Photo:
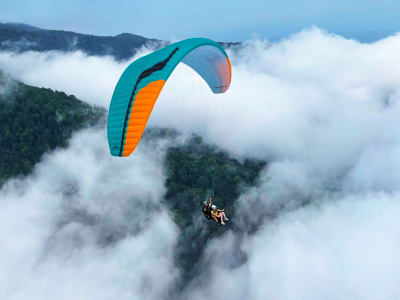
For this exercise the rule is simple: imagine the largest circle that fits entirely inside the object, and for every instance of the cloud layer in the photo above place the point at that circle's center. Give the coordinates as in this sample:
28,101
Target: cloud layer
86,225
322,223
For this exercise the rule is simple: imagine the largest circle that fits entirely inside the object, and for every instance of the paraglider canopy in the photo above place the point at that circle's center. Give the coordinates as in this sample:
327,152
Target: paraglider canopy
140,84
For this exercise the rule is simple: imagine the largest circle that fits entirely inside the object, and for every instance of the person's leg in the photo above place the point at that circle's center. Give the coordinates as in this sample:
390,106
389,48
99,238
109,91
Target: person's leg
224,216
221,218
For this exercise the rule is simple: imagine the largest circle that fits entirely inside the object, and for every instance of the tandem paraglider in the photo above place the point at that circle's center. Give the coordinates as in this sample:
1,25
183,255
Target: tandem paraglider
211,212
140,84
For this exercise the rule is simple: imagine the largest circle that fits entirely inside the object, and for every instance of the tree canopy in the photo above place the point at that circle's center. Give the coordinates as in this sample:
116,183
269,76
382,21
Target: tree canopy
35,120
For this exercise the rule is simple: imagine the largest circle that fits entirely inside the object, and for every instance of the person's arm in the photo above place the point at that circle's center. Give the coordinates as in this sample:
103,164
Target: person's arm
221,210
210,200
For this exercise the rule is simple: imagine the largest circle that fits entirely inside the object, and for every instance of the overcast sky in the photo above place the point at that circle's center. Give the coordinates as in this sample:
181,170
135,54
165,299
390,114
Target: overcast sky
225,20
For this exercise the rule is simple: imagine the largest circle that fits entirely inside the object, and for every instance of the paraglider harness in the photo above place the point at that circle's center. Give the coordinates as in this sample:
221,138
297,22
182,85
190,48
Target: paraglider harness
206,210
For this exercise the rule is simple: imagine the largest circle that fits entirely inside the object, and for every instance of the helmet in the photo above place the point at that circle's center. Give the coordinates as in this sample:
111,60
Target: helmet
205,203
213,207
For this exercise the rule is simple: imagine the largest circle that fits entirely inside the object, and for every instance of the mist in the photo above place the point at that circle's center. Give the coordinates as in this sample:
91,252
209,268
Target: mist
86,225
322,222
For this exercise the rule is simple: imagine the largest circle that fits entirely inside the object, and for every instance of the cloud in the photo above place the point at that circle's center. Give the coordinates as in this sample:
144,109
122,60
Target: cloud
341,249
19,45
86,225
321,223
90,78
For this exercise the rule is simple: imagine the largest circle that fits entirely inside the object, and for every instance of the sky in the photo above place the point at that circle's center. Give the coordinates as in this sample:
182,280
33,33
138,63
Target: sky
321,109
225,20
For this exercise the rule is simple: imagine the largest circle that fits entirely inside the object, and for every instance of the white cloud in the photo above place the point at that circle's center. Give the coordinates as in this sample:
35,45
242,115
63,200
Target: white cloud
90,78
344,249
87,225
339,250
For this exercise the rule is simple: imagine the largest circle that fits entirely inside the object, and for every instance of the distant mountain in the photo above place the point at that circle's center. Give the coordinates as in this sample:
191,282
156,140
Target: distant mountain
19,26
18,37
22,37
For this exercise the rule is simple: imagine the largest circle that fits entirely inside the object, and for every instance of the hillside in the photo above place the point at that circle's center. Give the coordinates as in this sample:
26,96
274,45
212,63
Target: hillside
35,120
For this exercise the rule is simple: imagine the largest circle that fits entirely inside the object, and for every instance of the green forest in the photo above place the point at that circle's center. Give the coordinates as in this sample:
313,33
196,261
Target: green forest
36,120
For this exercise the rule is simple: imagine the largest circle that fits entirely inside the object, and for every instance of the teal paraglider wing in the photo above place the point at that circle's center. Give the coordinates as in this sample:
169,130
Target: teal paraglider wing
142,81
